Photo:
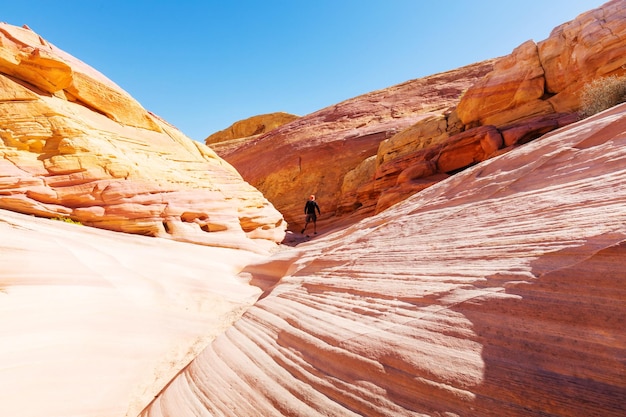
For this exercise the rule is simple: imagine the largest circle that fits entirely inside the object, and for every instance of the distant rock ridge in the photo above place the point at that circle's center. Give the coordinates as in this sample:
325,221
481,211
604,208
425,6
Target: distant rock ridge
246,129
368,153
73,144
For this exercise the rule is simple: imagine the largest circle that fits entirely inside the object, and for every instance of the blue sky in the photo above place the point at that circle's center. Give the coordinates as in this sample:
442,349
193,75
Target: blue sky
203,65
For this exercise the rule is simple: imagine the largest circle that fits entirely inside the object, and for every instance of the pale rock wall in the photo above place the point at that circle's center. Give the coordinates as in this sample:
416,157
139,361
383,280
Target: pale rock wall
95,323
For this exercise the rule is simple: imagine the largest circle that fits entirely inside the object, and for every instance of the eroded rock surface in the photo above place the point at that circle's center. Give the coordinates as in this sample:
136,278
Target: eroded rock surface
498,292
371,152
73,144
313,154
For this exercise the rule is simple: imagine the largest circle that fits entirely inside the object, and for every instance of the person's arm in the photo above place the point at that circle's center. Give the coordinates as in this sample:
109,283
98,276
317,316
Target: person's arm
318,208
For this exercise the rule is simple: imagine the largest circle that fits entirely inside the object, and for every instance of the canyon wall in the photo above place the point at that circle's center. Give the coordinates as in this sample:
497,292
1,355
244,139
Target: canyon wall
499,291
368,153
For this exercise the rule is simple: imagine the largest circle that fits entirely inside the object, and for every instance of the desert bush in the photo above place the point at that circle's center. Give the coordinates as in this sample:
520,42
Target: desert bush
601,94
67,220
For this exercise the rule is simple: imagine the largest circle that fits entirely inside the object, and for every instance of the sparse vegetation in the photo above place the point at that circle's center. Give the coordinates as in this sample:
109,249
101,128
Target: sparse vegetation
67,220
601,94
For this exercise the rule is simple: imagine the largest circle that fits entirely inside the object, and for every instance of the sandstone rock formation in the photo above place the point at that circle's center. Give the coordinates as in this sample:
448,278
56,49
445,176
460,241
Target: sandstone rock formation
547,77
497,292
95,323
368,153
234,135
73,144
313,154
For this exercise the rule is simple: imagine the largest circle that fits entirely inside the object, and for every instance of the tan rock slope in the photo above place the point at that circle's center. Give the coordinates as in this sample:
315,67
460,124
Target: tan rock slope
498,292
368,153
73,144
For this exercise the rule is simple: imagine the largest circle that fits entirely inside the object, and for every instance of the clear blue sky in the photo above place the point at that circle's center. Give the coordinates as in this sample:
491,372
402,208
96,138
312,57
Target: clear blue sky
203,65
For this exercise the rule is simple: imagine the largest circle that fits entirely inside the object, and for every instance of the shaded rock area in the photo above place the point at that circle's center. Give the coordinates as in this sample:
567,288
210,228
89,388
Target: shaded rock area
75,145
401,140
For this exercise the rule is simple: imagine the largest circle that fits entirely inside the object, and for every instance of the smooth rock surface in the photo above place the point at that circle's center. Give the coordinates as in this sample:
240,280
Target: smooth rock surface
95,323
498,292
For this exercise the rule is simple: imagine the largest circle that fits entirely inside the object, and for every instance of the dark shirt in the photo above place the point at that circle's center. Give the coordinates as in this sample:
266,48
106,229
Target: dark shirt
310,207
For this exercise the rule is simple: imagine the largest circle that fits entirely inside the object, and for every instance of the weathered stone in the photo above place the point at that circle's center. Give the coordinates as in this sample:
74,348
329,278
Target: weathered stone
250,127
533,128
591,46
455,301
117,167
511,91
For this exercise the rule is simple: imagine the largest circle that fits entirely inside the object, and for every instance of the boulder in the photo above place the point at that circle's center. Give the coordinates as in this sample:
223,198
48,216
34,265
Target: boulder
512,91
591,46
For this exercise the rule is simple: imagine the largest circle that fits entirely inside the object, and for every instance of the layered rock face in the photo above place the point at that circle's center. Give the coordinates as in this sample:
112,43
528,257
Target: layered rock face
313,154
73,144
482,111
497,292
243,130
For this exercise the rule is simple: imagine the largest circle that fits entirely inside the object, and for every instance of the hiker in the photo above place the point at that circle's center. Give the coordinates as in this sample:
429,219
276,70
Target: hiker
309,210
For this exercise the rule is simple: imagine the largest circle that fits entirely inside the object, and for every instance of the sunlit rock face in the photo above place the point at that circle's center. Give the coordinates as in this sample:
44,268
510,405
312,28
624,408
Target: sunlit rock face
314,153
366,154
95,323
548,77
73,144
497,292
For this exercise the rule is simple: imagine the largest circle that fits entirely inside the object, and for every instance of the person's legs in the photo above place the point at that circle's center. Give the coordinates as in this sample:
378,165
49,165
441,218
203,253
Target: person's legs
306,223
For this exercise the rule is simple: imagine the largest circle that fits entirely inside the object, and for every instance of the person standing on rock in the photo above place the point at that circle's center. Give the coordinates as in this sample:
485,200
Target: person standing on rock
309,211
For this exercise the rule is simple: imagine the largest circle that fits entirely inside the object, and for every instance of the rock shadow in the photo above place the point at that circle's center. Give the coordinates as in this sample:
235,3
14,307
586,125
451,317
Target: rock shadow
556,345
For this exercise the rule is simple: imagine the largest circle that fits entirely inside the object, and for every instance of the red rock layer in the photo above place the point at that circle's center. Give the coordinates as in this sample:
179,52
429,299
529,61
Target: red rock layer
498,292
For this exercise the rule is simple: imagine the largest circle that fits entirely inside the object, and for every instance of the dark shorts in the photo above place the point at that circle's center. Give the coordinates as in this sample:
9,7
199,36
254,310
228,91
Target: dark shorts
311,218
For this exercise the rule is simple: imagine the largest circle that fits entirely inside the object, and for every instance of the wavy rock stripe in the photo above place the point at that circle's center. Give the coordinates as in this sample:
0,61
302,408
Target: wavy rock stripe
498,292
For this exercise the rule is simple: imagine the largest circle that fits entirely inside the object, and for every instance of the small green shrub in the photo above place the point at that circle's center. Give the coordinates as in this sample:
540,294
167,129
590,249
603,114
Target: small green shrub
601,94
